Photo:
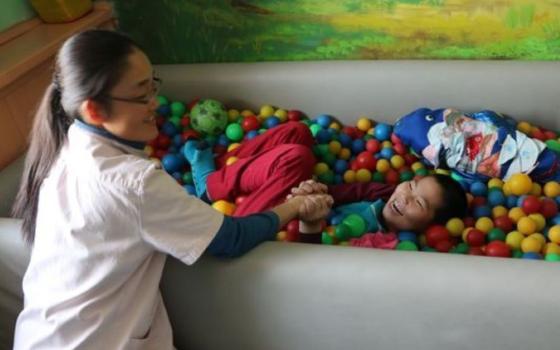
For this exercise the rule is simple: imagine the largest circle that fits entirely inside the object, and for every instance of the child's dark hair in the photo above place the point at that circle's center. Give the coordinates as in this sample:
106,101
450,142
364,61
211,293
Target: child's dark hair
454,199
88,66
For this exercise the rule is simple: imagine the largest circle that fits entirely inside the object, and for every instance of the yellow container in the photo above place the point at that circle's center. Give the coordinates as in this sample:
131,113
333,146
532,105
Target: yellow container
60,11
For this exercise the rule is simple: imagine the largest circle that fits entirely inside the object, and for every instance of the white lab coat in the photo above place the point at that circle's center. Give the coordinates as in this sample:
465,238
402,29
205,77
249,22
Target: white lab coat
107,217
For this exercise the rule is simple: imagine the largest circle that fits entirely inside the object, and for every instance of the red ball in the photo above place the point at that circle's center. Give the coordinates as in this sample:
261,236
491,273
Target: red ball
354,165
531,204
239,200
444,246
159,153
400,149
498,249
189,134
358,134
159,121
373,146
504,223
549,135
395,139
392,177
250,123
478,201
476,251
294,115
410,158
435,234
350,131
293,227
163,141
549,208
469,221
185,121
220,150
537,133
366,160
475,238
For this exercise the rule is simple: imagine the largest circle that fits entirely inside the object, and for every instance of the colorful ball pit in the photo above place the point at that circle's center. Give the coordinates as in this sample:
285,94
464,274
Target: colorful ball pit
516,218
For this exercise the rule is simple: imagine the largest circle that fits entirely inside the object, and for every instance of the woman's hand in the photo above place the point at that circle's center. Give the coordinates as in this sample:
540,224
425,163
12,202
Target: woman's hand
315,207
308,187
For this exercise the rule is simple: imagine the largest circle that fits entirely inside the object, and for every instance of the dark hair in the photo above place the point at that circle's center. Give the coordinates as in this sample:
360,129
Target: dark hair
87,66
454,199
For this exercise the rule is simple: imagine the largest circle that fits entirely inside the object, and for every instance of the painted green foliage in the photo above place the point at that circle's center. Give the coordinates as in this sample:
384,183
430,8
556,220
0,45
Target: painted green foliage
181,31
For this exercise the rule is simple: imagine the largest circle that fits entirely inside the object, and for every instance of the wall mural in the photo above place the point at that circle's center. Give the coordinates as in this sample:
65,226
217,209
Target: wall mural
181,31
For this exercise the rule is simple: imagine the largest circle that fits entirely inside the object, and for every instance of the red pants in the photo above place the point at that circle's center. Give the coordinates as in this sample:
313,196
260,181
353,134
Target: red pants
269,165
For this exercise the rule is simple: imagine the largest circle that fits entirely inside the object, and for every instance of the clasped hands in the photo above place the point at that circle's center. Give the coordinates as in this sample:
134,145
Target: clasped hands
315,204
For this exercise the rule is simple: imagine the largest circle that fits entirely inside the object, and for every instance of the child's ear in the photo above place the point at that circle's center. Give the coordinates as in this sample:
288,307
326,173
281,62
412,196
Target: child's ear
93,112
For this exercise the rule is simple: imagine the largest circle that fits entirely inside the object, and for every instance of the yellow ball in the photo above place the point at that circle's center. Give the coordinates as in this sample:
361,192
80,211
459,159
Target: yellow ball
281,114
442,171
281,236
149,150
224,207
383,165
417,166
484,224
495,182
520,184
455,226
552,189
499,210
349,176
531,245
465,233
247,113
514,239
539,220
397,161
554,234
386,144
363,175
335,126
233,146
524,127
540,237
515,214
370,131
536,190
335,147
231,160
266,111
320,168
364,124
526,226
345,154
507,189
233,115
551,248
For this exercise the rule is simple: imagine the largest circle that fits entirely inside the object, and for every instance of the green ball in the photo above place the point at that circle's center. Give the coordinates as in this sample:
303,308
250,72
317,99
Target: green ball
422,172
553,145
342,232
356,224
327,177
406,176
517,254
461,248
407,245
162,100
552,257
496,234
176,120
378,177
209,117
177,109
327,239
188,178
315,128
234,132
329,158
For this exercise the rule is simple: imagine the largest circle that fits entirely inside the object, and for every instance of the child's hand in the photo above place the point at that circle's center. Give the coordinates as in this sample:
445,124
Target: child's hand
315,207
308,187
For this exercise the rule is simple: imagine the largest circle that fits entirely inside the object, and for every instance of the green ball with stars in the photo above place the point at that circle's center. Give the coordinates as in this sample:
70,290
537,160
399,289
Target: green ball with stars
209,117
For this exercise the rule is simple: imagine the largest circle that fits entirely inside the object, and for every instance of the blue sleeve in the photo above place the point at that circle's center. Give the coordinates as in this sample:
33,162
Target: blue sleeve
238,235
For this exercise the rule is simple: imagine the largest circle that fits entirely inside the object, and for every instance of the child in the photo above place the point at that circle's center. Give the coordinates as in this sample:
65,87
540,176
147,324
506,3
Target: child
102,217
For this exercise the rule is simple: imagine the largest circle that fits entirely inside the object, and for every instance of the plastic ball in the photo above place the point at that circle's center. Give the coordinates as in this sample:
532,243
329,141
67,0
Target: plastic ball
407,246
349,176
397,161
536,190
481,211
498,249
504,223
552,189
382,131
294,115
266,111
524,127
345,154
496,197
373,146
549,208
498,211
340,166
335,147
271,122
484,224
224,207
366,160
315,128
511,201
435,234
231,160
496,234
554,234
234,132
383,165
495,183
358,146
515,214
209,117
281,114
386,153
356,224
531,204
520,184
364,124
539,220
455,226
320,168
475,238
531,245
540,237
323,136
343,232
250,123
526,225
407,236
514,239
552,257
479,189
363,175
324,120
531,256
172,162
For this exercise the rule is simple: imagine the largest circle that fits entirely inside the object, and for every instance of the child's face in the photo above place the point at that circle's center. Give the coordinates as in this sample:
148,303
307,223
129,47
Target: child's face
413,204
134,121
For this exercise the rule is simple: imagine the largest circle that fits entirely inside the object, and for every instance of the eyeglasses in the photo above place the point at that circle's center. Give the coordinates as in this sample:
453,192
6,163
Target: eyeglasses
156,86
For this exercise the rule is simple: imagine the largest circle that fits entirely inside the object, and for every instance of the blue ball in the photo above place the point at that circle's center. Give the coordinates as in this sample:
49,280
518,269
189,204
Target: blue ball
358,145
172,162
520,200
496,197
178,176
345,140
482,210
555,220
223,140
340,166
557,199
251,134
190,189
408,236
178,141
324,120
164,110
511,201
271,122
531,256
387,153
173,149
338,179
323,136
169,129
337,219
383,131
479,189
